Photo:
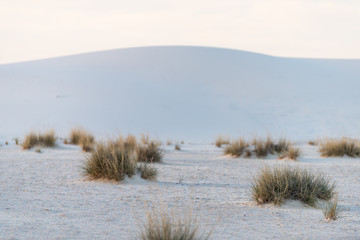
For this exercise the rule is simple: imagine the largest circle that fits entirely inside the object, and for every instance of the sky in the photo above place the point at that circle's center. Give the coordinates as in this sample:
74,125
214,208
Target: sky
39,29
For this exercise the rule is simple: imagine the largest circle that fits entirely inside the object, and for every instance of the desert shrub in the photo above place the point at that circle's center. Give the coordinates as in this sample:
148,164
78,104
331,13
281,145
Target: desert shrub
79,136
312,143
339,148
236,148
147,172
47,139
177,147
6,143
16,141
162,225
149,153
291,153
222,140
332,210
110,160
293,183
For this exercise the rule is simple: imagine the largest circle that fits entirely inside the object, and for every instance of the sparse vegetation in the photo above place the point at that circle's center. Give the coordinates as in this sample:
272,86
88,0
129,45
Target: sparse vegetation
79,136
177,147
340,148
6,143
47,139
16,141
182,142
110,160
38,150
168,143
312,143
149,153
284,182
162,225
332,210
221,140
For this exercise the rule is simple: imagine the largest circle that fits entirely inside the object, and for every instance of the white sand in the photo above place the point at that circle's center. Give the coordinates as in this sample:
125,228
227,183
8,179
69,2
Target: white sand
45,196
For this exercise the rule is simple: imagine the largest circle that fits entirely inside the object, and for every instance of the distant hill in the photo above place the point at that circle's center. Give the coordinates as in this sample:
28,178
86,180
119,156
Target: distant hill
182,93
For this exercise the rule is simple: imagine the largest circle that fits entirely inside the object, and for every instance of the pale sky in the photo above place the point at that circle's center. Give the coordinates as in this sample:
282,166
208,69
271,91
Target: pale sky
35,29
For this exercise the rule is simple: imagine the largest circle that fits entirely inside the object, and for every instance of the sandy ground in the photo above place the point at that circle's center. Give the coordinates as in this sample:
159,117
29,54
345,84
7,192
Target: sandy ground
44,196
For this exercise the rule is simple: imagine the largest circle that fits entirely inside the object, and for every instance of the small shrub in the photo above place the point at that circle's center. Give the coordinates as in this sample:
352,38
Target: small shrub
66,141
285,182
149,153
312,143
162,225
291,153
221,140
16,141
168,143
236,148
177,147
147,172
339,148
332,210
80,137
47,139
110,160
38,150
6,143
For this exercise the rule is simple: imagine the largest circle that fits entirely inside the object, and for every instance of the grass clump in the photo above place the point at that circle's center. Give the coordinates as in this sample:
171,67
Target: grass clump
110,160
47,139
340,148
236,148
162,225
80,137
312,143
269,146
221,140
291,153
290,183
149,153
147,172
177,147
332,210
259,147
